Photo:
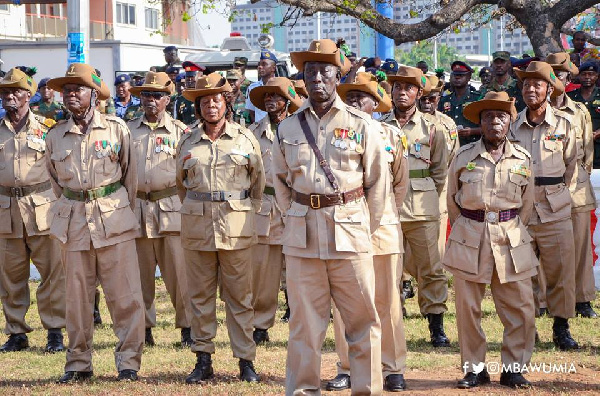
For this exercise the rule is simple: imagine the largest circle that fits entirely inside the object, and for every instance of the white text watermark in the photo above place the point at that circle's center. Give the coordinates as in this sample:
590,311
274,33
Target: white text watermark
539,367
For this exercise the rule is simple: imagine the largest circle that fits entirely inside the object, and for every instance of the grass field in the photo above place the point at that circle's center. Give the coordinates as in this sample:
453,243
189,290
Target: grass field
165,366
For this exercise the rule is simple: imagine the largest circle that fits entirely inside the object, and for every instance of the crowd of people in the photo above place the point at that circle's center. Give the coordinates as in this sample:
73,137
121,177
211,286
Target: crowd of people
335,186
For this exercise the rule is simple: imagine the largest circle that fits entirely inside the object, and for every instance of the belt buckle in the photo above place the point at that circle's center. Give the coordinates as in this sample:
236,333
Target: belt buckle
315,198
215,196
492,217
17,191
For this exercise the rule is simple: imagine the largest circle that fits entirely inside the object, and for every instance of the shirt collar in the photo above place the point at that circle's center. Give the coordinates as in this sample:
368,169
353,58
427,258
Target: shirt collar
549,118
98,121
338,104
509,151
230,131
164,122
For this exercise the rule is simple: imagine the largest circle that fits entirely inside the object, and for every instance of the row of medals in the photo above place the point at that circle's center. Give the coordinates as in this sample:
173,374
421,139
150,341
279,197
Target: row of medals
340,136
38,136
105,148
165,144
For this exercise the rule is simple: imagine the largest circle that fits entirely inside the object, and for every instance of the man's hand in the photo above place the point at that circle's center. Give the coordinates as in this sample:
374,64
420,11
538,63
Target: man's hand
597,134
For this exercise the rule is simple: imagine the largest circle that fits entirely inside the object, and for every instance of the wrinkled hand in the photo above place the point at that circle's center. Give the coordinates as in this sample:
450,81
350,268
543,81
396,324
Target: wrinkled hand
596,134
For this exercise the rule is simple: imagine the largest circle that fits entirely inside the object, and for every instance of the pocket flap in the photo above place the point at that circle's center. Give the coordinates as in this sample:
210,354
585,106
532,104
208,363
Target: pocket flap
62,209
465,236
389,219
348,214
170,204
189,163
243,205
297,210
43,198
470,177
294,142
519,180
60,155
4,202
40,147
108,204
192,207
422,184
238,159
518,236
551,145
265,207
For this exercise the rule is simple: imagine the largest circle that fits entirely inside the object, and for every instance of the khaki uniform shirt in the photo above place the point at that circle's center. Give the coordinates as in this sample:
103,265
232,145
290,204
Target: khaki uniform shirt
335,232
231,163
387,238
79,162
22,163
155,153
582,192
427,149
553,150
269,224
477,182
448,127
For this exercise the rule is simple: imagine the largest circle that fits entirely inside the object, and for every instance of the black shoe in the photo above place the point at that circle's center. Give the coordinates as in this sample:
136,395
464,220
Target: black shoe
404,314
97,317
55,341
286,316
340,382
15,343
260,336
472,380
537,337
514,380
561,336
74,376
203,369
543,312
436,330
247,372
407,289
585,310
149,338
186,337
127,375
394,383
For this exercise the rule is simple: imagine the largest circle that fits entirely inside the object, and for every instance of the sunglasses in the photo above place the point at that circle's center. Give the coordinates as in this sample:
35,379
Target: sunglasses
152,94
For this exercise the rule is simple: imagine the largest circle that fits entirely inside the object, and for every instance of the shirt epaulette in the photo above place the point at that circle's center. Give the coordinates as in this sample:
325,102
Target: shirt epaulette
521,149
184,137
179,124
466,147
249,135
359,113
114,118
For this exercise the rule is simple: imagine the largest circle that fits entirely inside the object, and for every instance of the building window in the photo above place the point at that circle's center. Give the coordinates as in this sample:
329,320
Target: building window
126,13
152,18
4,7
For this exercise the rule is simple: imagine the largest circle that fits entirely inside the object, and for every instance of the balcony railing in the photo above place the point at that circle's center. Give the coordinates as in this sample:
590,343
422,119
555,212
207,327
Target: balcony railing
47,26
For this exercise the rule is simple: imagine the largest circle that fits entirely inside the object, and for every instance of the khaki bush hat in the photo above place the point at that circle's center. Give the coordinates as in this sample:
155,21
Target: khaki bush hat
233,74
16,78
300,87
562,61
411,75
543,71
321,51
279,85
154,82
366,82
207,85
434,83
81,74
491,101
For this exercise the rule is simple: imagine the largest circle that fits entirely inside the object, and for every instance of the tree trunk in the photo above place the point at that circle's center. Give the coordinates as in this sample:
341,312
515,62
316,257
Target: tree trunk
543,33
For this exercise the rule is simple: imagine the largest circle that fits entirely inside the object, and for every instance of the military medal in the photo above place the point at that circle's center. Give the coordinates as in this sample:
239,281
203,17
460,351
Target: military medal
343,145
337,143
352,145
359,149
351,133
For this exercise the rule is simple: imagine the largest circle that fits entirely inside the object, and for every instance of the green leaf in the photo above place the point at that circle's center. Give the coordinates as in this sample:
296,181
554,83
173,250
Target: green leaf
185,17
413,13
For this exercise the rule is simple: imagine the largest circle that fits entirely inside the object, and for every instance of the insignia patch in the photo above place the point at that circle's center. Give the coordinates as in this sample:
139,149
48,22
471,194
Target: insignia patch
380,91
96,80
423,81
453,134
520,170
470,166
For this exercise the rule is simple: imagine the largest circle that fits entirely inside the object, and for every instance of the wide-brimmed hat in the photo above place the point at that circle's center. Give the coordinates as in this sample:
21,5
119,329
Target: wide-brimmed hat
366,82
411,75
155,82
543,71
321,51
81,74
16,78
562,61
434,84
279,85
207,85
300,87
491,101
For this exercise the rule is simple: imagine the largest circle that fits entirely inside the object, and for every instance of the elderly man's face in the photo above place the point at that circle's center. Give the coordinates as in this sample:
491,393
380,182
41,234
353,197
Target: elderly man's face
494,125
361,101
321,79
274,103
535,92
154,103
77,98
213,107
14,99
405,95
429,103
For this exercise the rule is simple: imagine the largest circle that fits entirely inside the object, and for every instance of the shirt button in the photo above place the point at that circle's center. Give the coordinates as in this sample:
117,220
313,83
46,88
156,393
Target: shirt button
533,141
148,157
318,180
494,192
147,181
90,221
85,181
322,128
534,161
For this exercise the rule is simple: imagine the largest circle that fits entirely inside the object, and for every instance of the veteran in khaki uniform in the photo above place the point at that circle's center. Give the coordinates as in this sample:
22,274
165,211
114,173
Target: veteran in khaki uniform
25,199
155,136
367,95
278,98
490,200
94,171
582,193
547,134
330,205
220,180
420,212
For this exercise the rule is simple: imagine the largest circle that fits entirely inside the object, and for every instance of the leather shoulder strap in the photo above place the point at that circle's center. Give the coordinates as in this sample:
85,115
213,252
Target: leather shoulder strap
322,161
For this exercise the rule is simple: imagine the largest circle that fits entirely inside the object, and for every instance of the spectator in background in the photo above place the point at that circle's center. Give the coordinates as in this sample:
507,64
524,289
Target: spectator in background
173,72
240,63
47,106
267,69
423,66
127,107
485,75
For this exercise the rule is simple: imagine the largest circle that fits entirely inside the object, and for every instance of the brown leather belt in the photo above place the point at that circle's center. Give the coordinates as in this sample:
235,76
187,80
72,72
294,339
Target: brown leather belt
318,201
25,190
490,216
156,195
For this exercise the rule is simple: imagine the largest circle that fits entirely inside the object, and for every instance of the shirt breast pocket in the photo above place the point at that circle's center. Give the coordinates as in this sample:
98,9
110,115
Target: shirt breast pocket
552,153
297,153
35,152
515,187
63,164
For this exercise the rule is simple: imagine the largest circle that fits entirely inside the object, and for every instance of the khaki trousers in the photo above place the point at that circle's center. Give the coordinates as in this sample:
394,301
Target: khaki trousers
266,276
233,269
514,305
424,264
116,267
553,243
312,283
539,289
387,303
15,256
585,289
283,274
167,253
443,232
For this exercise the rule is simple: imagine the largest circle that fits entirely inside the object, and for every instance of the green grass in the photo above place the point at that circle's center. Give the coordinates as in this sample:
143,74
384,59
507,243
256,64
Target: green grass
165,366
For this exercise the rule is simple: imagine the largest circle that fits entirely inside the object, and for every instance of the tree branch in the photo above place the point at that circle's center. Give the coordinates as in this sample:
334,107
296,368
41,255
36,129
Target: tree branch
566,9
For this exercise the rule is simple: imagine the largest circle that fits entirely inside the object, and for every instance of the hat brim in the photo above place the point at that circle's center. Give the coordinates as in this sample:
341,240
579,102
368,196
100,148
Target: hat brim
192,94
57,84
384,103
300,58
136,91
558,86
17,84
407,79
257,97
473,110
560,67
